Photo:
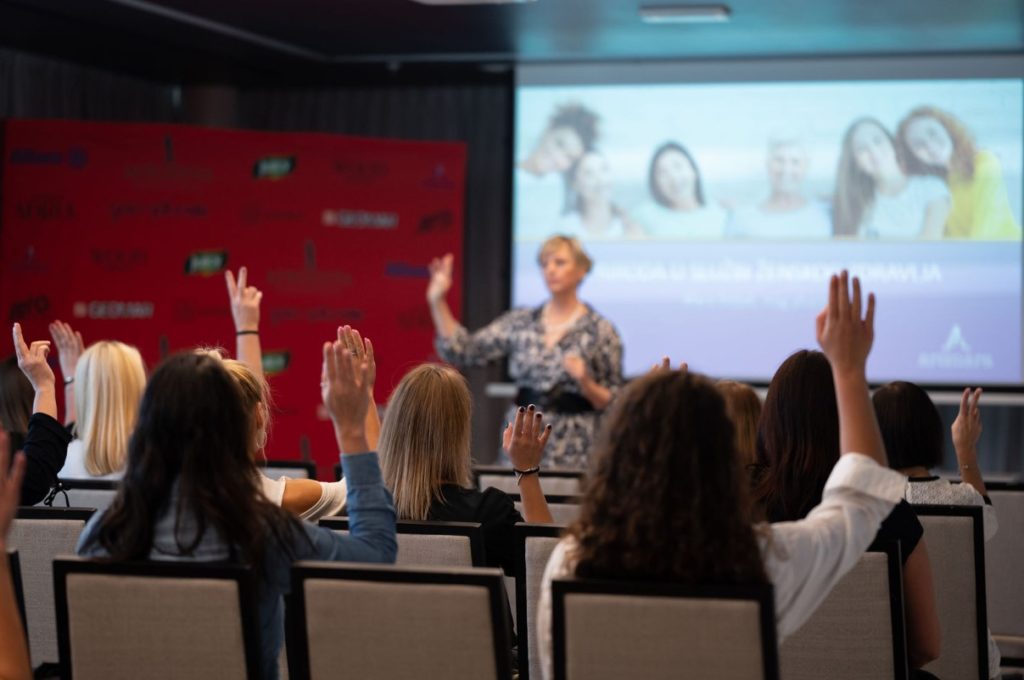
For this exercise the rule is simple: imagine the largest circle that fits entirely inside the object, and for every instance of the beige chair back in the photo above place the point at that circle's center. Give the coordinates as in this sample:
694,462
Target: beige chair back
396,623
431,544
955,540
616,629
156,620
564,509
552,482
1004,555
857,633
535,543
89,493
39,535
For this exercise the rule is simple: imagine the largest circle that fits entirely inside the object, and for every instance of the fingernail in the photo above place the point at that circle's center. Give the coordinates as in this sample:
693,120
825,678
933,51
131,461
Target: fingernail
532,407
548,427
522,410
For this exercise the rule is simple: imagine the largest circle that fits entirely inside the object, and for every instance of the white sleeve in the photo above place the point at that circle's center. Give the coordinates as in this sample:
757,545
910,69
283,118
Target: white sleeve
332,499
805,559
558,567
273,489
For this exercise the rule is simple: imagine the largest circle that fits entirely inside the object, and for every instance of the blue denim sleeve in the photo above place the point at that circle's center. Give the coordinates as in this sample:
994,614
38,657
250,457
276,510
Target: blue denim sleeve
371,513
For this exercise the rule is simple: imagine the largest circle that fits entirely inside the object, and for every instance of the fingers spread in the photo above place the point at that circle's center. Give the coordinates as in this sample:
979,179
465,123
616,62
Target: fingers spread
243,278
856,298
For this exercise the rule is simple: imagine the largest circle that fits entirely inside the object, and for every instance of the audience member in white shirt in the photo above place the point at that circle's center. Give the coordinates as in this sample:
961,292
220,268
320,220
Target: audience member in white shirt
653,477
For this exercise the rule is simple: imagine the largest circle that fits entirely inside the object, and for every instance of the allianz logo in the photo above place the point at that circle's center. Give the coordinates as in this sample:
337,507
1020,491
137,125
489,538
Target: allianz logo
956,353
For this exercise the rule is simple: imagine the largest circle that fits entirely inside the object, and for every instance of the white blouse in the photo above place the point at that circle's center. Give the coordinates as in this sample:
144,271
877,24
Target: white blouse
803,559
332,497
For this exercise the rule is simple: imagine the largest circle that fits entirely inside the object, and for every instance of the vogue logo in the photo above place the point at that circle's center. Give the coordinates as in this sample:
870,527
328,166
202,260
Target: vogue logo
206,262
45,209
75,157
359,219
273,167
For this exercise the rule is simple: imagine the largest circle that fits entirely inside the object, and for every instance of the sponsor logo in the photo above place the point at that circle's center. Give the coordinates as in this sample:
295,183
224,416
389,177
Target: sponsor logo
404,270
276,361
168,173
164,209
359,219
45,208
75,157
29,263
956,353
113,309
442,220
439,179
255,214
206,262
361,171
116,260
273,167
29,307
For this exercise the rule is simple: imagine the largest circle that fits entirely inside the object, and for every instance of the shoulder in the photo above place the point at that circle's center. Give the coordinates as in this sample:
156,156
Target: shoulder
602,325
561,563
520,316
903,524
494,505
986,165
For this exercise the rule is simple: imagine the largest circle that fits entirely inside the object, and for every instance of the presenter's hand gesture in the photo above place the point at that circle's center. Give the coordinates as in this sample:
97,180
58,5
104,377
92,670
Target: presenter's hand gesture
245,301
69,347
967,427
32,360
440,278
345,395
525,438
575,366
845,331
362,349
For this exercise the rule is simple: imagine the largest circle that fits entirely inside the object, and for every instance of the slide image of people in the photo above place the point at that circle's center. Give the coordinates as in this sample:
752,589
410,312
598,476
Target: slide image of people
589,211
678,207
788,212
875,198
935,143
571,132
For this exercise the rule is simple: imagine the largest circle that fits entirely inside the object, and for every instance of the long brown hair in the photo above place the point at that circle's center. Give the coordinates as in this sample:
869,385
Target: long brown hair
743,407
16,396
855,189
666,498
961,165
424,439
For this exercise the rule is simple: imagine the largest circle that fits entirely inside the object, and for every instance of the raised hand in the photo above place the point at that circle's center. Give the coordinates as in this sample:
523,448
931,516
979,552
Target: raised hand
32,360
343,388
575,366
245,301
843,334
440,278
525,438
967,427
69,347
362,350
666,365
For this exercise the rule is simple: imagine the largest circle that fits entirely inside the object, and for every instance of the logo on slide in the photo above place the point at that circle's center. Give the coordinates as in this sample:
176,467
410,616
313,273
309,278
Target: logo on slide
273,167
956,354
206,262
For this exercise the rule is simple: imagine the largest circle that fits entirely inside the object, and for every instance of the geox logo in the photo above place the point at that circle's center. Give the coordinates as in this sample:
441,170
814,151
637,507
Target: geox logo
276,361
273,167
206,262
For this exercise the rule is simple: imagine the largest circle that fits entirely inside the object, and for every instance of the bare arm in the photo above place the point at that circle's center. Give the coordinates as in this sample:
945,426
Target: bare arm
924,635
14,663
69,349
440,283
966,433
245,310
935,214
524,442
300,495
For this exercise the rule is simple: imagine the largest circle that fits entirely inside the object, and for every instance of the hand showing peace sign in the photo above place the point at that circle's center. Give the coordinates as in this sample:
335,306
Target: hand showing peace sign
245,301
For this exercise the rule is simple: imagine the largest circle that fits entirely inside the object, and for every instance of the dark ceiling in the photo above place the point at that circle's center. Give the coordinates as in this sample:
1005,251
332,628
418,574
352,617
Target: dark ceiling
296,39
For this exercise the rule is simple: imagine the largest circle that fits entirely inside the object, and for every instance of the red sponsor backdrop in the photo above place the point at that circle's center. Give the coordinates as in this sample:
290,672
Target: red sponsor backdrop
124,230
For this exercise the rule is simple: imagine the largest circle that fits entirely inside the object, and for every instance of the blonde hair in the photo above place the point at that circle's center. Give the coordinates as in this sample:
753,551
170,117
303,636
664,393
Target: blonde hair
743,407
424,439
583,260
109,382
255,393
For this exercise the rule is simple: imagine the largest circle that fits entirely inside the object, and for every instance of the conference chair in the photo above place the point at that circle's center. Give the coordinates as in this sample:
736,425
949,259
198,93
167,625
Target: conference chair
858,631
156,620
534,545
293,469
564,509
337,472
555,482
956,549
604,630
396,623
1004,557
431,544
39,535
88,493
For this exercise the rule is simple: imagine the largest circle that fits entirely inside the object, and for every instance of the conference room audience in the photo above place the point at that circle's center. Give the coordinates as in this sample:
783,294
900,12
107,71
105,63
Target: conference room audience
798,446
46,440
913,433
667,498
743,407
109,379
190,490
308,498
14,660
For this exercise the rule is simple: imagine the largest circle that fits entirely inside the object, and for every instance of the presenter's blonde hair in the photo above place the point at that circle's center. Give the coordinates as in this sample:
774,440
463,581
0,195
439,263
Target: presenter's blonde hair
109,382
424,439
555,242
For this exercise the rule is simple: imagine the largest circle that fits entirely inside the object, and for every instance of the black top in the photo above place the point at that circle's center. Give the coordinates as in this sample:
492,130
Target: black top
902,525
493,509
46,447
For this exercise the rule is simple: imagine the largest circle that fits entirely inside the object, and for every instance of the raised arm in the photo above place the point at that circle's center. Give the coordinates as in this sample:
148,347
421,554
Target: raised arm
69,348
524,441
440,283
966,433
245,310
14,663
362,350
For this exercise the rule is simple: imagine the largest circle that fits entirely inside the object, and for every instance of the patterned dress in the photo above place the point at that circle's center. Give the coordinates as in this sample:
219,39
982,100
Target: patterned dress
519,335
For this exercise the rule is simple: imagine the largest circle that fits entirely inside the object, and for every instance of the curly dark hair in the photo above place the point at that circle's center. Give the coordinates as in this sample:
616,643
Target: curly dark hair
666,499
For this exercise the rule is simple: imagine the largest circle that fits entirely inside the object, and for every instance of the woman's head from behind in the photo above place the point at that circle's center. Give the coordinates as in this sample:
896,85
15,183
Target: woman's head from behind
868,155
743,407
424,439
797,437
911,426
109,382
674,179
16,395
665,497
255,395
934,142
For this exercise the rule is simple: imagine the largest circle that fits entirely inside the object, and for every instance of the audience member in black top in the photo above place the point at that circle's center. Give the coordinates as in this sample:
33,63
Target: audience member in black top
46,441
797,449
